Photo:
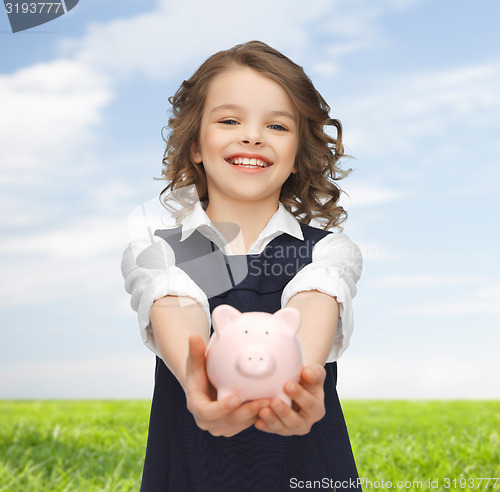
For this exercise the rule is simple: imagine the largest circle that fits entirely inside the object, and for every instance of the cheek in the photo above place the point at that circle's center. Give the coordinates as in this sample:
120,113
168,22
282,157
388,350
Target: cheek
293,159
291,150
213,142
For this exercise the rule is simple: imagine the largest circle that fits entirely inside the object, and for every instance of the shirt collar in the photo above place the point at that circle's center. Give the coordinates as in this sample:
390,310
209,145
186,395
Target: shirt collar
197,218
282,221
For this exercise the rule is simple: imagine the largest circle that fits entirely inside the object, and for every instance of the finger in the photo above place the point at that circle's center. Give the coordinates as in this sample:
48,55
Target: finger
279,418
269,422
220,422
312,377
199,392
196,354
227,428
252,408
233,410
311,405
249,410
232,431
195,363
290,418
247,414
212,411
243,417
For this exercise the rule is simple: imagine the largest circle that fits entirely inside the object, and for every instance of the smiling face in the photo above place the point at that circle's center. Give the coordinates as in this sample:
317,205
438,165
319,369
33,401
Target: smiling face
248,137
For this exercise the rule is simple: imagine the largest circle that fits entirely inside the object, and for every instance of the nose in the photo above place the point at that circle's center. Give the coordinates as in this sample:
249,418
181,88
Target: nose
253,141
251,136
255,361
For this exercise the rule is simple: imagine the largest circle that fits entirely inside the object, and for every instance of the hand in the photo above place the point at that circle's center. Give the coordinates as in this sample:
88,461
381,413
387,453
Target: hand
226,417
308,405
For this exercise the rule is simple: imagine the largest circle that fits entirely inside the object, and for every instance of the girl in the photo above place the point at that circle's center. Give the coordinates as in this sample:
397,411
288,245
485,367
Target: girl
247,132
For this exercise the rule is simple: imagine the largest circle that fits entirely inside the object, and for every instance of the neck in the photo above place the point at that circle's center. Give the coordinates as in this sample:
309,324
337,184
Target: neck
250,217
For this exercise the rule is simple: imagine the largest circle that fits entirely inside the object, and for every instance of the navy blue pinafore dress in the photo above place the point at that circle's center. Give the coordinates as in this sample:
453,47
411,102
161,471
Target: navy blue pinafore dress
180,457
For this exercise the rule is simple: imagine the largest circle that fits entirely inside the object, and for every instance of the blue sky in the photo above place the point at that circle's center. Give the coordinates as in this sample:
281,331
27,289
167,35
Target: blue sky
415,84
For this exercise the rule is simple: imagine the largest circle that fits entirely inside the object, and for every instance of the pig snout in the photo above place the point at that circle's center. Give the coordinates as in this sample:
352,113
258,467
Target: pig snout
255,361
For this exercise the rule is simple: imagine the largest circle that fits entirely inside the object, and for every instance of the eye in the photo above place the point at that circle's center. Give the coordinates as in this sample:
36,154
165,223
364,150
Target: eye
276,126
228,122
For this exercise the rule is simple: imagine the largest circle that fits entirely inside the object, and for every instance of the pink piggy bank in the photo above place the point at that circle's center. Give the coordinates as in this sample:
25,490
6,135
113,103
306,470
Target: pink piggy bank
253,355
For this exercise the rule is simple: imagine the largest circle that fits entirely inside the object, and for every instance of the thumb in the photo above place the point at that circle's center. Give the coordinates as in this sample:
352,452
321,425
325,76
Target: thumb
196,355
196,347
313,374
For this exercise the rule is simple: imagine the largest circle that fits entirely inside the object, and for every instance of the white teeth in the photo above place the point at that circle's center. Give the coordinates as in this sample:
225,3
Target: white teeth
246,162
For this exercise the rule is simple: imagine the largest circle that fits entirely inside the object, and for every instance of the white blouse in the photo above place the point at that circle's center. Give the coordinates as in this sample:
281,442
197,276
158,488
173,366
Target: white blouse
148,267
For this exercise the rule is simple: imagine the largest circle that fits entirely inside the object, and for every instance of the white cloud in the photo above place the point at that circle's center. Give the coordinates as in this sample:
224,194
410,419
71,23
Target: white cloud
85,238
161,43
112,196
358,24
18,213
48,113
65,262
422,280
467,306
36,280
445,376
437,376
474,300
326,69
442,103
362,194
490,292
376,252
114,376
158,44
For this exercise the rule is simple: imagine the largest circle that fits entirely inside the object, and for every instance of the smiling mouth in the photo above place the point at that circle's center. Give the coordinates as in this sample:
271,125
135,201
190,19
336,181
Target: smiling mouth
248,163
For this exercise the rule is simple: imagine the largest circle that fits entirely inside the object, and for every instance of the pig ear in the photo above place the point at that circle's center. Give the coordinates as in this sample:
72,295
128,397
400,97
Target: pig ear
290,318
222,316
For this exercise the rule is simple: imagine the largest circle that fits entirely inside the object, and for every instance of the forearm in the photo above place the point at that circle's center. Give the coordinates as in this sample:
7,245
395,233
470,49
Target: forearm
174,319
319,314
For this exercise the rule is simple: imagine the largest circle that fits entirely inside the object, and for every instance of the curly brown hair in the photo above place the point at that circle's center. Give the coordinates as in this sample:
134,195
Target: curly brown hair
311,192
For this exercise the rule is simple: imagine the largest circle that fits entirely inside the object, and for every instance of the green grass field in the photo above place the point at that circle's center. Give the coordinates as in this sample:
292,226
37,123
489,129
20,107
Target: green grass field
99,445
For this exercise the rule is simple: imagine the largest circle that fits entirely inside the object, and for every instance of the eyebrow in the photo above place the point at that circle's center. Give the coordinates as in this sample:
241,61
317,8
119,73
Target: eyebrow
239,108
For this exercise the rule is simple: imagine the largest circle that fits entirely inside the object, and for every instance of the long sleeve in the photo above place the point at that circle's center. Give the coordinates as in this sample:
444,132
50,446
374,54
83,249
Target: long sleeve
335,269
150,273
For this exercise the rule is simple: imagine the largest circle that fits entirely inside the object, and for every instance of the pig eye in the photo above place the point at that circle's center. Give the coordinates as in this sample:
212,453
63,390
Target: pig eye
246,331
267,333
